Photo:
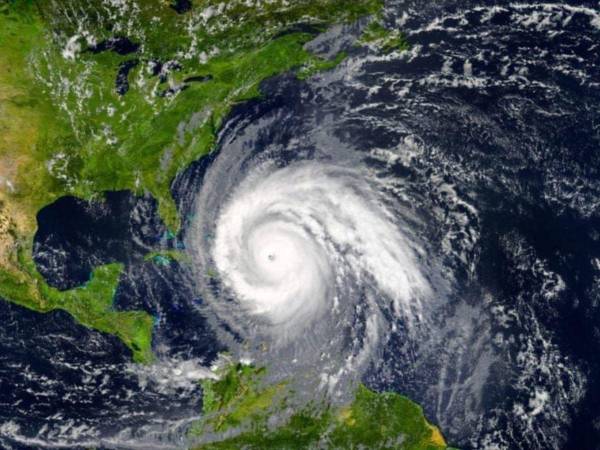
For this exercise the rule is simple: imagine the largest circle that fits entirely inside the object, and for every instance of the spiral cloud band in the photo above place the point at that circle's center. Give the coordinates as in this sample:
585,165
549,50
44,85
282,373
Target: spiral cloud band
289,241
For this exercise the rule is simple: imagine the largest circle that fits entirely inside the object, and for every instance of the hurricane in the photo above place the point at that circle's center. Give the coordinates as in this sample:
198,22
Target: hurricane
302,251
421,218
290,241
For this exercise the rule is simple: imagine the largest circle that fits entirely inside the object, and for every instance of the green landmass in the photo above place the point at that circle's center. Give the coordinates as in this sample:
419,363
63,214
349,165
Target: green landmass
236,397
384,38
166,257
67,129
91,305
239,407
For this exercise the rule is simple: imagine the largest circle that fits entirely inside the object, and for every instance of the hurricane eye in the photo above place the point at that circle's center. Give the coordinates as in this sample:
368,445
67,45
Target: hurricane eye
286,247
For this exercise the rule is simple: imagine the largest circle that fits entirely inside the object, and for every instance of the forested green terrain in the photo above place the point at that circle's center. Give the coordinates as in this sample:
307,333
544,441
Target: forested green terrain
102,95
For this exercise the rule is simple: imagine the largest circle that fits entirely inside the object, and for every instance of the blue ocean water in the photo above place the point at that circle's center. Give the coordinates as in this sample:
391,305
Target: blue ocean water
489,127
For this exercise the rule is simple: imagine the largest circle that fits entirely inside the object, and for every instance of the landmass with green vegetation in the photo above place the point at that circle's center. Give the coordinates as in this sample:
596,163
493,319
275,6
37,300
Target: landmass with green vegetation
166,257
98,95
91,305
384,38
241,411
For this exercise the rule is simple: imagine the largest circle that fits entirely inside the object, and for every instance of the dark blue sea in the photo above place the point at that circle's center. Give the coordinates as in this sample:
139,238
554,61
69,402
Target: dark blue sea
490,127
